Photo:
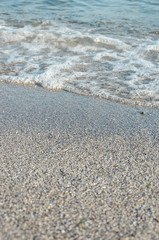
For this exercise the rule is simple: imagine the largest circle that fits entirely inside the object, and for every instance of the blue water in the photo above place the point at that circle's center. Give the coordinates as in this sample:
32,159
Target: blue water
101,48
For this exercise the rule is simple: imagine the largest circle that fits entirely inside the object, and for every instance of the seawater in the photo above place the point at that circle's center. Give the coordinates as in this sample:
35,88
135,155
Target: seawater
103,48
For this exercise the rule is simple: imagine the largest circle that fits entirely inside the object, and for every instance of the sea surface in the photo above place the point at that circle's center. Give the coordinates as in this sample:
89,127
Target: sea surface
104,48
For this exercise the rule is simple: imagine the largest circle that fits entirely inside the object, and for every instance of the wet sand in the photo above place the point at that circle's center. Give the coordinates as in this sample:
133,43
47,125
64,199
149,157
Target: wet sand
76,167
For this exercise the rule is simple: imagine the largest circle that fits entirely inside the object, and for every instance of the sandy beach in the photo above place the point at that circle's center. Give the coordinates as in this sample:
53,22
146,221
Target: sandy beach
76,167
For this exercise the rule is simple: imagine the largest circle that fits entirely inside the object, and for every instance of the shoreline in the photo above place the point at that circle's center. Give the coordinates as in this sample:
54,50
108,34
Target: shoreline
129,102
77,167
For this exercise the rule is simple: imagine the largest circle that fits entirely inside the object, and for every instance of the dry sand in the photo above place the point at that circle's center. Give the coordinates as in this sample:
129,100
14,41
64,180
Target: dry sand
75,167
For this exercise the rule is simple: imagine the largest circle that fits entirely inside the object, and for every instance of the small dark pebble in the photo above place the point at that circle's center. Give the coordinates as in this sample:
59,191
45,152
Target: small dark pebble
62,173
143,113
156,220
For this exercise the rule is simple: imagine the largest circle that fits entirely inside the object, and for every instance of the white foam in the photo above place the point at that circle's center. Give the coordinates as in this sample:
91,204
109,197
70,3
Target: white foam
111,42
57,57
154,47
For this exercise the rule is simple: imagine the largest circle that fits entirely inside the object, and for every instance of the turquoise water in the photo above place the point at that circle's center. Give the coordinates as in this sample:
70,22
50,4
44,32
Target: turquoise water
106,49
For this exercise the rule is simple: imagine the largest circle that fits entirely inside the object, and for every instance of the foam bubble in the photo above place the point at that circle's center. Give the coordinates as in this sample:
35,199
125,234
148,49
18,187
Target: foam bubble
154,47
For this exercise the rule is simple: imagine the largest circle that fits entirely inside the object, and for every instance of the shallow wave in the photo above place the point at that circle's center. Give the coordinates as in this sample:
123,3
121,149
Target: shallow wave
81,61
